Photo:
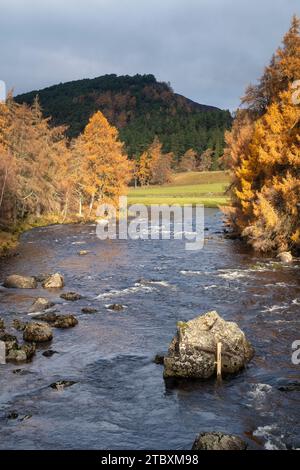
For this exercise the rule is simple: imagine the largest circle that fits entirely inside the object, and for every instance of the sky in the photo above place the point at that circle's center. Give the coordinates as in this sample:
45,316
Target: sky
209,50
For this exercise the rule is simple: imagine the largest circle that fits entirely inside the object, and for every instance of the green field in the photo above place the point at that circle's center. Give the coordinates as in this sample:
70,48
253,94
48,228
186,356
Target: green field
206,188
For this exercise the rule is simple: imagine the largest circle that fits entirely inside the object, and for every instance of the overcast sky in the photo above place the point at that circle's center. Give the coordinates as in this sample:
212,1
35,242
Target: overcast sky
208,49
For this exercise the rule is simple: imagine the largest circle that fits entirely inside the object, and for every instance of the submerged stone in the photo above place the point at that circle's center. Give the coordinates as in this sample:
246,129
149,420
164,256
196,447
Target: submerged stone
49,353
61,384
72,296
115,307
40,304
158,359
89,310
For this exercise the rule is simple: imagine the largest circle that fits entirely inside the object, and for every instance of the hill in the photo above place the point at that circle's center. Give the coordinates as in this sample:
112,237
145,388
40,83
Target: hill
141,107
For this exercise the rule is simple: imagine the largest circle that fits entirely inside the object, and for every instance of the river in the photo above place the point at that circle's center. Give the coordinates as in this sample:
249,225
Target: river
120,399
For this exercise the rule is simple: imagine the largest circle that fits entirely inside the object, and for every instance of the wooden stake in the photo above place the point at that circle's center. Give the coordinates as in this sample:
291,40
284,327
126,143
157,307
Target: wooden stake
219,361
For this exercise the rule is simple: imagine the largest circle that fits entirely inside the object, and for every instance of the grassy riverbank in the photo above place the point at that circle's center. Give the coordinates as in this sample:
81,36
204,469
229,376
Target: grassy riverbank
206,188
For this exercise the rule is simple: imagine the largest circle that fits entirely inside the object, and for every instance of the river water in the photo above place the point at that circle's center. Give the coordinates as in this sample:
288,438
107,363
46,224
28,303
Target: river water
120,399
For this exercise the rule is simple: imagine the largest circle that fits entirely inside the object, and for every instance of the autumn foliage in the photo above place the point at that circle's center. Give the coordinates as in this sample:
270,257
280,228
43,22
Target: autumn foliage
263,152
42,173
154,166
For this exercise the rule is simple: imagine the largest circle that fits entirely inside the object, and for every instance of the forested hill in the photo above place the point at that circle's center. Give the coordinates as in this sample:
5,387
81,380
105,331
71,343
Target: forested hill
141,107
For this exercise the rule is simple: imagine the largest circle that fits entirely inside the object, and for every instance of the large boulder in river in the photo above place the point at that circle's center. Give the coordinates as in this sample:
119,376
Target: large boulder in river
20,282
218,441
55,281
192,352
37,332
40,304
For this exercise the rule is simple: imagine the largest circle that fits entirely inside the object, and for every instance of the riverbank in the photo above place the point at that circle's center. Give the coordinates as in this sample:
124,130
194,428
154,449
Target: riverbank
207,188
9,238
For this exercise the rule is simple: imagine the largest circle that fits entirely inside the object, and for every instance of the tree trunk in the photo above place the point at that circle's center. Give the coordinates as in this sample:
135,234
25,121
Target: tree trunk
65,211
3,187
91,204
80,207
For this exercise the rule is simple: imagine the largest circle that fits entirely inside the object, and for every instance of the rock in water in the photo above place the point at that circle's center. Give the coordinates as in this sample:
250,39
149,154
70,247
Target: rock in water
158,359
12,415
49,353
59,321
61,384
115,307
83,252
10,341
14,352
2,325
20,282
218,441
40,304
55,281
290,387
19,325
38,332
65,321
72,296
22,354
48,317
89,310
42,277
192,352
285,257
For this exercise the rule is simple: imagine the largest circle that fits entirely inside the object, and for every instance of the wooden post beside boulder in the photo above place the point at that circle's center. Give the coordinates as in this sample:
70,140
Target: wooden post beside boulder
192,352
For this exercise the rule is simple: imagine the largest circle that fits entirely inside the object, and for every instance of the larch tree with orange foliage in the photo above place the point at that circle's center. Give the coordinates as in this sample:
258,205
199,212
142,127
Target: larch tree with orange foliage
155,167
263,152
105,169
188,161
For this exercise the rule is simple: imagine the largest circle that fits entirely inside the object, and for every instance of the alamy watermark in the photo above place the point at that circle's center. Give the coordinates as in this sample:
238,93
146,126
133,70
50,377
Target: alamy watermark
296,352
154,222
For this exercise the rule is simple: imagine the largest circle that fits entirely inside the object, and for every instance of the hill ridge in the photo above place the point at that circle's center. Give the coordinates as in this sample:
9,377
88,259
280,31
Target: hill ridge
140,106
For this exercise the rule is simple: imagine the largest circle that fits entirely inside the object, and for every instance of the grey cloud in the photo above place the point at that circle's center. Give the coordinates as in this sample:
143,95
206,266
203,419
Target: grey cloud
208,49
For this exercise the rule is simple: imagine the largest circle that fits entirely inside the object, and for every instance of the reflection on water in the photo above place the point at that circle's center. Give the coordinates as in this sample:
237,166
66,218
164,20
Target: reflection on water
120,400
